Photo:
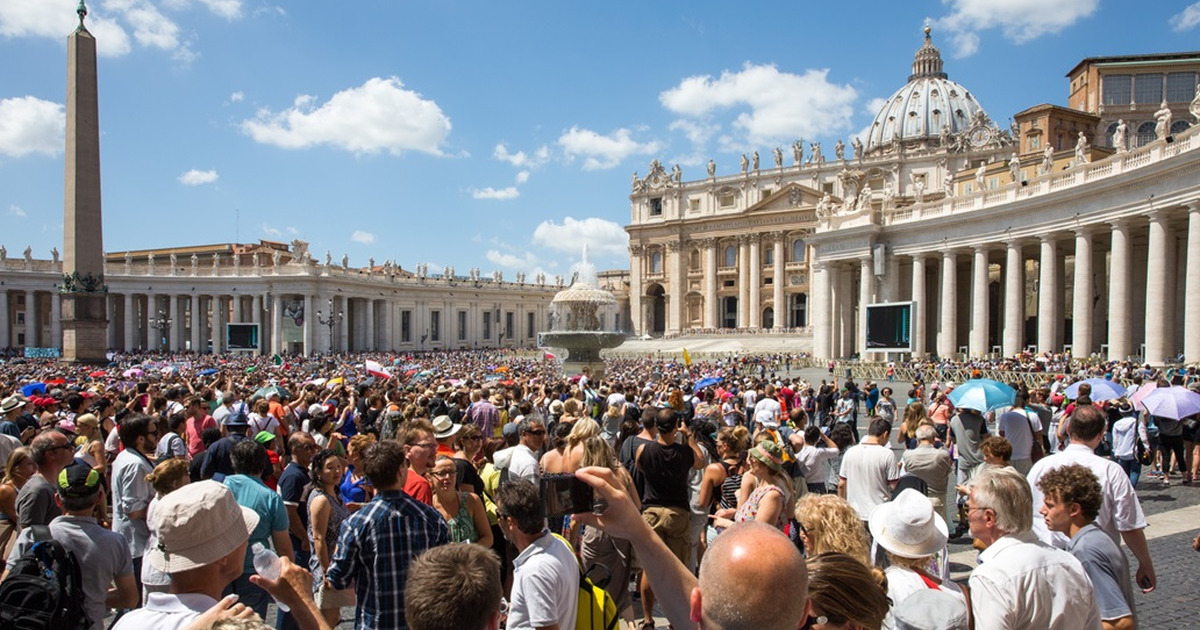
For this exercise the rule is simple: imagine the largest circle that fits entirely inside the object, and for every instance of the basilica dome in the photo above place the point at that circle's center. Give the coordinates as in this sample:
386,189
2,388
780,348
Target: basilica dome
928,106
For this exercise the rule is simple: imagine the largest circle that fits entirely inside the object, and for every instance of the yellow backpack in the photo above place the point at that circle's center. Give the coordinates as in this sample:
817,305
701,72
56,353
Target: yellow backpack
596,610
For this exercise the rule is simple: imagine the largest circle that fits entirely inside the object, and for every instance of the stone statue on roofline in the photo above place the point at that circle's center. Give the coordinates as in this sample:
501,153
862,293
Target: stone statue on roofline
798,152
54,254
3,253
195,263
817,157
345,261
778,157
28,253
1194,108
839,150
980,174
745,164
1162,121
756,161
1048,160
1014,167
1081,149
677,174
712,168
858,148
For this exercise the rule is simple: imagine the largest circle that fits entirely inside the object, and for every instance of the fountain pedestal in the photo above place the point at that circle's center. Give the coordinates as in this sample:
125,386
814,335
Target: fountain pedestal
583,349
579,314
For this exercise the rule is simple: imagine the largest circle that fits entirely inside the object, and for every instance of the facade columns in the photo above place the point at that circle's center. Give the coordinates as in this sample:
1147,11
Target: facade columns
918,306
277,323
1081,301
130,315
777,284
176,323
821,308
1120,324
219,315
1158,346
866,292
1191,322
370,325
5,328
197,322
980,309
755,281
33,322
743,317
1048,316
948,336
1014,299
636,312
711,302
343,327
55,320
678,282
310,320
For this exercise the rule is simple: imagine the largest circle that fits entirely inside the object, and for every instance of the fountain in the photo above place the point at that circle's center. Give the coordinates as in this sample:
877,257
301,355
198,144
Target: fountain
579,315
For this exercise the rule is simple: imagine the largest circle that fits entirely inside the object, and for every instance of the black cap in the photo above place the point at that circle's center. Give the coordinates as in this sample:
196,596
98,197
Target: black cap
78,480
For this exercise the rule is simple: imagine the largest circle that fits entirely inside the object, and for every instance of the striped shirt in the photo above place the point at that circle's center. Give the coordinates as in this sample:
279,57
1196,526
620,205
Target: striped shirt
374,550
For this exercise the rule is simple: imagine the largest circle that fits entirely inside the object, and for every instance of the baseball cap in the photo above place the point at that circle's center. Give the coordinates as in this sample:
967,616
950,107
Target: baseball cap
78,481
264,437
197,525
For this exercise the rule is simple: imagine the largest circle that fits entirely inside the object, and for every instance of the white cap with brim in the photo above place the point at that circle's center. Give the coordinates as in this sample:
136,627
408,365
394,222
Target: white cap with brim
197,525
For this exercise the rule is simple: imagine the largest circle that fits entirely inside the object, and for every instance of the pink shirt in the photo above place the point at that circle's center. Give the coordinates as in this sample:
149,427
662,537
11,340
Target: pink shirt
193,429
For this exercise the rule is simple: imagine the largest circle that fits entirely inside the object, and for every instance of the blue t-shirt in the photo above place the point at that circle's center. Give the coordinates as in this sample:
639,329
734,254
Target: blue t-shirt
252,493
291,490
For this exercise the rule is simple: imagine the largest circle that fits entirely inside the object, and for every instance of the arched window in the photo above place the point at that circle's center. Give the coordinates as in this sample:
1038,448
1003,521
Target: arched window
798,250
769,256
730,256
1145,134
1108,135
656,262
694,259
1180,126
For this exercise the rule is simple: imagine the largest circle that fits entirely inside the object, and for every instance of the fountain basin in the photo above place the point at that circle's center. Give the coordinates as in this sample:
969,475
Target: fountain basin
583,349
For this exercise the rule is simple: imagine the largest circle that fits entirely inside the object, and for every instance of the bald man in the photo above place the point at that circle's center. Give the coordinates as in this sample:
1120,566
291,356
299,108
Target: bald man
736,590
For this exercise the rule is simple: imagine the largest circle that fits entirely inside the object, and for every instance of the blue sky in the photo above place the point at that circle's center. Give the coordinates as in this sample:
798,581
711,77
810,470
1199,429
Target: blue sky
489,134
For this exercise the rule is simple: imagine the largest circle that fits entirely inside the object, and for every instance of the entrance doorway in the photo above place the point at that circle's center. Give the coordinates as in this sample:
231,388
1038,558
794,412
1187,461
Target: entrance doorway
729,308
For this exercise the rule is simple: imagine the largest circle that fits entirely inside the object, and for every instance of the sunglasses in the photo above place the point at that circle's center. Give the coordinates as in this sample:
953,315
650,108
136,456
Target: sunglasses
538,432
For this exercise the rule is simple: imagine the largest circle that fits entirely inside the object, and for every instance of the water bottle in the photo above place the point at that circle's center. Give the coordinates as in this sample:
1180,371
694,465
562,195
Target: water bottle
268,565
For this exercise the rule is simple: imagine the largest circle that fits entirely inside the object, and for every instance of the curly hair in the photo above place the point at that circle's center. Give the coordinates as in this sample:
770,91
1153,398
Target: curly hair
997,446
831,526
359,443
1074,484
844,589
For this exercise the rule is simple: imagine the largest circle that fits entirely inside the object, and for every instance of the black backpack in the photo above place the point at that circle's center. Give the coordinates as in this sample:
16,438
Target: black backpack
44,588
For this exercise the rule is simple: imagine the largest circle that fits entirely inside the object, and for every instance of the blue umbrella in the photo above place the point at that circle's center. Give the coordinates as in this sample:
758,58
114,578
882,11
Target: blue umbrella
706,382
1172,402
34,388
1102,389
207,372
982,395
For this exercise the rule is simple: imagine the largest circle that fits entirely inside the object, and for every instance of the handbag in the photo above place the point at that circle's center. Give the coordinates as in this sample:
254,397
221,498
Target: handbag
1144,456
1038,451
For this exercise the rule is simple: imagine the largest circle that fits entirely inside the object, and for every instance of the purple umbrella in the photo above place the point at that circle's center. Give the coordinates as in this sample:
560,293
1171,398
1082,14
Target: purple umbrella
1102,389
1172,402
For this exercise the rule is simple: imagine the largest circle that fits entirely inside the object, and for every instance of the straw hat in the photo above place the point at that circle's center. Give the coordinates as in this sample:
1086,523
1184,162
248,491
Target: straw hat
908,527
769,455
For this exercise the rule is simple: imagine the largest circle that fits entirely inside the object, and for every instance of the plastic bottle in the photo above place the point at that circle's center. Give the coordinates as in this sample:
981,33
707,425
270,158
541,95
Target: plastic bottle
268,565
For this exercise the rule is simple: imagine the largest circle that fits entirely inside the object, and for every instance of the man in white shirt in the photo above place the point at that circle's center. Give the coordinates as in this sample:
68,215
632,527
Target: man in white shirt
868,473
1121,514
1021,427
768,410
545,588
524,463
1021,582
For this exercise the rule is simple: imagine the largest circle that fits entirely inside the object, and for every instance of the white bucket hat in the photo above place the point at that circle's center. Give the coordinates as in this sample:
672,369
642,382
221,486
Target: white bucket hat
444,427
197,525
908,527
930,609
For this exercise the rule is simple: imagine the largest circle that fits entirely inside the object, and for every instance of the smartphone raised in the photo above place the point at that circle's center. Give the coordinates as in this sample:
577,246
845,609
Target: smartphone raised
564,493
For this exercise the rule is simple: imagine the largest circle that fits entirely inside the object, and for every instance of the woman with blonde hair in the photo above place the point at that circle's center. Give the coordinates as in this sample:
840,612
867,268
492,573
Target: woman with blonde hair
771,496
581,431
827,523
17,470
168,476
597,547
914,415
845,593
722,478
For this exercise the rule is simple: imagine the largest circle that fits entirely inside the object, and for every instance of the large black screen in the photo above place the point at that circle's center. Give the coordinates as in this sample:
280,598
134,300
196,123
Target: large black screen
889,327
242,336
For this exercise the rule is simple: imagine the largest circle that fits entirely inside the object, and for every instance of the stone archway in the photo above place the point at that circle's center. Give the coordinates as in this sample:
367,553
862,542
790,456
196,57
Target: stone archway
656,309
768,318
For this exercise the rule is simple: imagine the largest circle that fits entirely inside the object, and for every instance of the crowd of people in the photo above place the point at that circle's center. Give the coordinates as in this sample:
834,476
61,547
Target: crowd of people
411,492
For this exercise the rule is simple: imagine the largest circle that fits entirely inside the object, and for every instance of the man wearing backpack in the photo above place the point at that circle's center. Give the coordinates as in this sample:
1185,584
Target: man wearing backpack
103,552
545,589
51,451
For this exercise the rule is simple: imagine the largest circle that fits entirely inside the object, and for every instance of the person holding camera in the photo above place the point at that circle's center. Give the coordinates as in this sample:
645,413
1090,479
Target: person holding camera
665,463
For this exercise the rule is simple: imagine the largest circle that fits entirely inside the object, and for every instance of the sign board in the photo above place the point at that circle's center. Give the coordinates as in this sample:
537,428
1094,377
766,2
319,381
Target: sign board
241,337
889,327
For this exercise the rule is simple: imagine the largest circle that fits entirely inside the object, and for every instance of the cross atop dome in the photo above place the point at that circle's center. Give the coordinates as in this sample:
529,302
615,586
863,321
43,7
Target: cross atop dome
928,60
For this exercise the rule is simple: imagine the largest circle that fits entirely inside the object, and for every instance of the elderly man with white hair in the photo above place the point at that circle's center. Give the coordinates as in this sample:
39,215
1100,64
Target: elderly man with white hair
1022,582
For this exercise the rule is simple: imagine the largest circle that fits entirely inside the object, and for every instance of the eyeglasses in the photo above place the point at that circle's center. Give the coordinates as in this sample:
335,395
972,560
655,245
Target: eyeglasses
439,475
537,432
425,444
60,447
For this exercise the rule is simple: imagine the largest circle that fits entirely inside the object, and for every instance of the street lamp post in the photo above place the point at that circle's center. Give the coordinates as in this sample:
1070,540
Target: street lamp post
329,322
162,324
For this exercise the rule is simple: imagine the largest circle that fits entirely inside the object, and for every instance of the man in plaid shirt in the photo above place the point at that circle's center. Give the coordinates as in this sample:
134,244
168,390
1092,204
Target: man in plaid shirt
379,541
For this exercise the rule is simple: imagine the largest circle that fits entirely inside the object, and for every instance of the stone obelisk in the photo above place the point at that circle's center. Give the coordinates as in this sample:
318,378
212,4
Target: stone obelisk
83,292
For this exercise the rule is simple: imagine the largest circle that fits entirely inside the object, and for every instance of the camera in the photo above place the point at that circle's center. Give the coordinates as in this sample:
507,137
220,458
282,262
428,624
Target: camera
565,494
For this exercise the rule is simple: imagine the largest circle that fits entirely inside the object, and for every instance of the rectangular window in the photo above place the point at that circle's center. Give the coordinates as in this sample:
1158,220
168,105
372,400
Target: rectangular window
487,325
656,206
694,205
405,326
529,325
435,325
1117,89
727,201
508,324
462,325
20,318
20,339
769,281
1148,89
1181,87
769,256
827,187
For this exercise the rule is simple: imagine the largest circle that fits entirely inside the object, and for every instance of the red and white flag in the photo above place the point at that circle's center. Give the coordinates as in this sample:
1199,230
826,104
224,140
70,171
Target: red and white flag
375,369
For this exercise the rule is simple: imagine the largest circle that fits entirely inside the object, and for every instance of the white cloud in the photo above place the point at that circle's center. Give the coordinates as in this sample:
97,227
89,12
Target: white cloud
17,211
510,192
779,106
56,19
1187,19
522,177
196,177
237,97
31,125
601,236
600,151
359,236
1019,20
228,9
379,115
278,233
511,261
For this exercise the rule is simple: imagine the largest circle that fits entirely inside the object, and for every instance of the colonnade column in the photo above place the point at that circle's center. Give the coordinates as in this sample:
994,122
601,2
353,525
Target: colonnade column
918,306
176,323
55,320
370,332
218,323
1120,328
277,323
678,281
948,336
711,312
1157,273
821,303
5,335
343,327
1191,309
1081,301
777,284
197,322
866,292
743,317
1047,296
1014,299
310,320
980,308
755,281
32,321
130,314
637,326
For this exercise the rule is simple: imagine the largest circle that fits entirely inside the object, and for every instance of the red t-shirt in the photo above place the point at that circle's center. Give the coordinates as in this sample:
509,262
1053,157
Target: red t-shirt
417,487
